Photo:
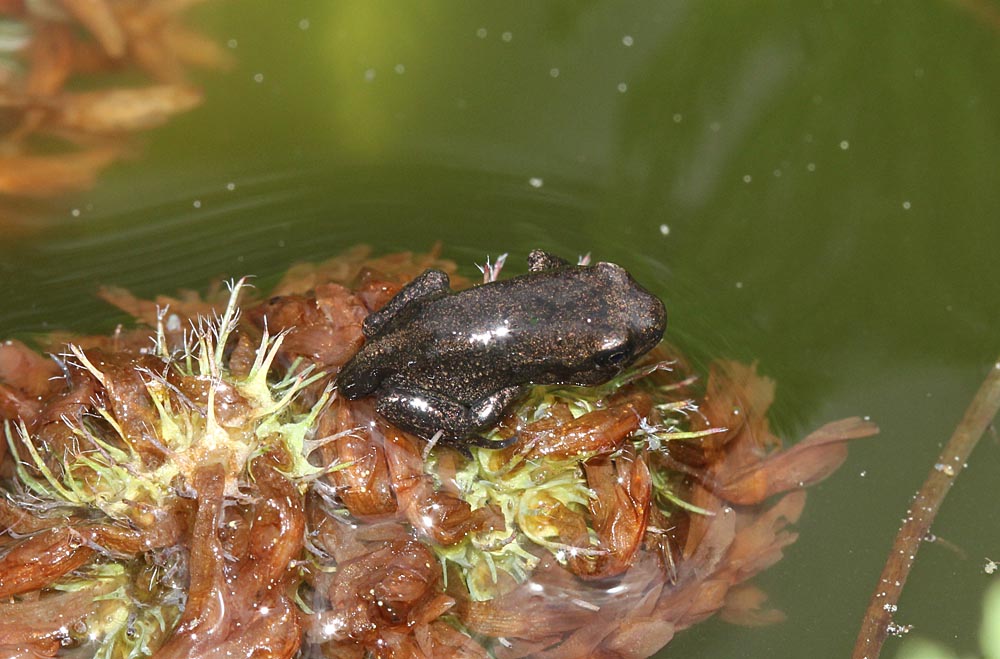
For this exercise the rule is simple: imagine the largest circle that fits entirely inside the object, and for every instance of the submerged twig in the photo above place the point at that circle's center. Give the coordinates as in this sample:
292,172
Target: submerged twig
878,618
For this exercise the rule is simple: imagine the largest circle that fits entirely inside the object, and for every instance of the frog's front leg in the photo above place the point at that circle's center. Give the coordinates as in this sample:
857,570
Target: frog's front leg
425,413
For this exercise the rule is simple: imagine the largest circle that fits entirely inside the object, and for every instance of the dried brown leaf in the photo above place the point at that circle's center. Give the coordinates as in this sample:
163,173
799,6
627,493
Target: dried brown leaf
44,176
122,110
22,570
364,484
601,431
746,605
805,463
101,21
41,624
195,48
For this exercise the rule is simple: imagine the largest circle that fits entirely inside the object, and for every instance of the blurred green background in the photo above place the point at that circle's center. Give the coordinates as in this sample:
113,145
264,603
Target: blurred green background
813,185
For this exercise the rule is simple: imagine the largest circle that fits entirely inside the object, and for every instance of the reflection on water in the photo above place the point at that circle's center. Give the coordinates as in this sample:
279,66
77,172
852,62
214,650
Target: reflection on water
826,173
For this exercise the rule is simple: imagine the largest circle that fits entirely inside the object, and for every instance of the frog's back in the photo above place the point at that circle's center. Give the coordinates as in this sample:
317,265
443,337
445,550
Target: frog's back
547,326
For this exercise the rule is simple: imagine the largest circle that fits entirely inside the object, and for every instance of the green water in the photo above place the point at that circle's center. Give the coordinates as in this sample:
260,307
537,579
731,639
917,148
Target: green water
813,185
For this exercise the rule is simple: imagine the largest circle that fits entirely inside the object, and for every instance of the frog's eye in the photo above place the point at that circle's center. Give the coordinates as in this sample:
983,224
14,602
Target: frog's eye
613,357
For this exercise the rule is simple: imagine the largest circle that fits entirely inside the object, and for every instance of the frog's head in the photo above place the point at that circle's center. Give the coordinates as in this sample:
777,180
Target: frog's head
637,320
624,321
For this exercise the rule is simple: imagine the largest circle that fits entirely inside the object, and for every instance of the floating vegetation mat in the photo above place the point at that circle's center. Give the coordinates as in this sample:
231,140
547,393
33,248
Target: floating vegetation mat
195,487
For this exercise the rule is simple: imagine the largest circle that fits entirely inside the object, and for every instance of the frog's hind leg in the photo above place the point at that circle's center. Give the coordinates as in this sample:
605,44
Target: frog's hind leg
429,285
425,413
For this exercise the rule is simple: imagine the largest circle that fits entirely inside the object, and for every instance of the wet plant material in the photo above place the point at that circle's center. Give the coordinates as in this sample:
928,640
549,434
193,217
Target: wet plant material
195,487
77,77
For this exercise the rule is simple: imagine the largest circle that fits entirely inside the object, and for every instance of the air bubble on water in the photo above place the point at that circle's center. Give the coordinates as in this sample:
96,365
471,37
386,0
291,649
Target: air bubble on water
678,117
747,178
369,75
232,44
554,72
906,205
622,87
811,167
258,77
536,182
196,203
507,36
844,145
481,33
75,212
664,230
230,186
304,24
777,173
627,41
739,284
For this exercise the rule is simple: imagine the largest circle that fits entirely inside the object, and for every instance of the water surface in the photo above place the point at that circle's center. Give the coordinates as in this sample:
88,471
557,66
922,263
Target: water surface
810,185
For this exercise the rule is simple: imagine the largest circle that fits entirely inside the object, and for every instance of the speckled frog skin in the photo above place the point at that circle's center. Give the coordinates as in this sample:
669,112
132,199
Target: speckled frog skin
438,360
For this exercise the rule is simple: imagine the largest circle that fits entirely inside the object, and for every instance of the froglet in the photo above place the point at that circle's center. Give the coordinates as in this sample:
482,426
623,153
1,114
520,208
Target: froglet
437,360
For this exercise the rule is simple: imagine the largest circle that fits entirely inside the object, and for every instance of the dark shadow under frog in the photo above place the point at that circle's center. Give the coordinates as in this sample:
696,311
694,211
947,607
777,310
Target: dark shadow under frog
453,362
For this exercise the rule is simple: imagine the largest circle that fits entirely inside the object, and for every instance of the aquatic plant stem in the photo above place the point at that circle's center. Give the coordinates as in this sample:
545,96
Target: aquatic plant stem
878,618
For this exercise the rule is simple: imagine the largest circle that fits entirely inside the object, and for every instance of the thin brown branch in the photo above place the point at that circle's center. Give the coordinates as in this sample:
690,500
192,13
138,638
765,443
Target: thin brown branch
878,618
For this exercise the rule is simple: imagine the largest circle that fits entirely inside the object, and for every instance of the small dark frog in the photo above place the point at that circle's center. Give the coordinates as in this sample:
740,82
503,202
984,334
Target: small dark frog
452,362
